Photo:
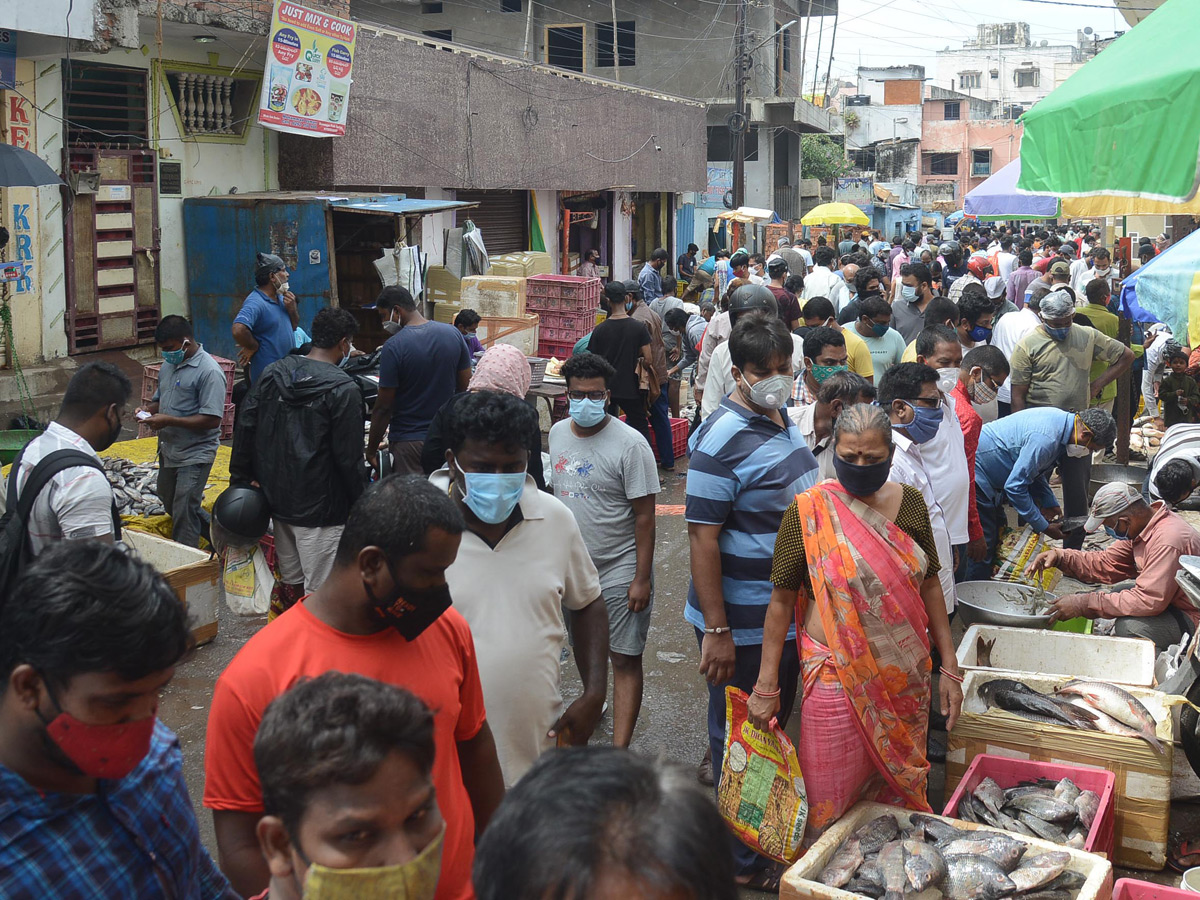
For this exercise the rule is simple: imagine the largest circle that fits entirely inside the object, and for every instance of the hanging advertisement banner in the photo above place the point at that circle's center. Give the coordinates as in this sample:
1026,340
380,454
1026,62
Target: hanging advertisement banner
306,85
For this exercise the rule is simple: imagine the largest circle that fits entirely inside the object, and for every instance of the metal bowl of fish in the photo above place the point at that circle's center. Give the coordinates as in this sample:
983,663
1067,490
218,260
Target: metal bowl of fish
1003,603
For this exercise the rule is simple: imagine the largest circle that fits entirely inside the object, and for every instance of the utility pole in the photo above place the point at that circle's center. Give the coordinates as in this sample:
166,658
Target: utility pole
740,122
616,55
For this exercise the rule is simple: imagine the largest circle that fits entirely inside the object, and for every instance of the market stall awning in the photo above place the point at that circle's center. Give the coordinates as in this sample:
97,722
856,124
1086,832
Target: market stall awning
747,215
998,198
957,216
835,214
404,206
1128,122
1167,289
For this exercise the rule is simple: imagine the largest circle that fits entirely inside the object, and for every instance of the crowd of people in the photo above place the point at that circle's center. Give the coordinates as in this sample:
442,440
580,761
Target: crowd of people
868,419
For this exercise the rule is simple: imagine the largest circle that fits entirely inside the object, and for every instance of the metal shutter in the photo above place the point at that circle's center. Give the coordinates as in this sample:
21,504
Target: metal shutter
502,216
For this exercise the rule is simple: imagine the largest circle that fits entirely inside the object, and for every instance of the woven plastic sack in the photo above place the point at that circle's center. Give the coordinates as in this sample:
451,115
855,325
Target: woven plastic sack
761,795
1016,551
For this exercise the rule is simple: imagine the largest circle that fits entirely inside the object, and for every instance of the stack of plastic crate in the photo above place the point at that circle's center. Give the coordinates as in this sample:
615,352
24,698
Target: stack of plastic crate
150,386
566,307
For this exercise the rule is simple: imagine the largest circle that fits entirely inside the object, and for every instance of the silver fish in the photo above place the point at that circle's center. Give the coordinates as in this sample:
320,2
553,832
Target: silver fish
1087,804
990,793
1066,790
938,829
1043,829
1109,725
891,864
923,865
1045,807
841,868
1040,870
975,878
1118,704
966,810
1067,881
1000,849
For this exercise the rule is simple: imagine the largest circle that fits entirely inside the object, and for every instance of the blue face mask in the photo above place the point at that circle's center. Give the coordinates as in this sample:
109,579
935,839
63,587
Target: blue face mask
492,496
908,292
587,413
880,330
979,334
175,357
629,306
1116,535
925,423
1057,334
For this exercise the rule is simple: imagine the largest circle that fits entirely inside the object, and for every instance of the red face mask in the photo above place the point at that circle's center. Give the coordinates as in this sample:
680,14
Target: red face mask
102,751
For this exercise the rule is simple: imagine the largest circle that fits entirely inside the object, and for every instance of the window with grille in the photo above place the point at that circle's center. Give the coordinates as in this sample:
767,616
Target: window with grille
951,110
721,143
626,51
105,106
1027,77
941,164
981,162
969,80
211,104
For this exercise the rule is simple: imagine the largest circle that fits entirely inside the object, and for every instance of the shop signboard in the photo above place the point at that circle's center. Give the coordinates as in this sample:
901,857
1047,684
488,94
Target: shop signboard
310,59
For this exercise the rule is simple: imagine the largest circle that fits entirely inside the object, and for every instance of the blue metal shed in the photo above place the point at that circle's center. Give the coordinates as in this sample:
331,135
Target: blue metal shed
329,242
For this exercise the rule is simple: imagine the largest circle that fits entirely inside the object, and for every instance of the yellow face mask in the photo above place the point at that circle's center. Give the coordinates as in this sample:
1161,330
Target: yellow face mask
414,880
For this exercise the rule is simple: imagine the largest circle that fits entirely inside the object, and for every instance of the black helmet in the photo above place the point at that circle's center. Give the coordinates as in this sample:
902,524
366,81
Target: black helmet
242,513
749,297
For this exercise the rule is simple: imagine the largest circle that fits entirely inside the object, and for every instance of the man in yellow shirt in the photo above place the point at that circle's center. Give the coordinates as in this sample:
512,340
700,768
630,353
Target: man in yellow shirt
819,311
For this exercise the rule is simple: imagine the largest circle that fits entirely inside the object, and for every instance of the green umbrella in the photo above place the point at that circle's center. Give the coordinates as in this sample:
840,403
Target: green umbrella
1128,122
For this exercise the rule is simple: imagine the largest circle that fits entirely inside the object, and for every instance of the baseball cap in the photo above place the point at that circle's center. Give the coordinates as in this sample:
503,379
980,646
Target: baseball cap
994,287
1113,498
1060,267
633,287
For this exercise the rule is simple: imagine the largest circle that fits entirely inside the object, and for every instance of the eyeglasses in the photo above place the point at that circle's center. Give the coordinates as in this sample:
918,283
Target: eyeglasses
928,402
587,395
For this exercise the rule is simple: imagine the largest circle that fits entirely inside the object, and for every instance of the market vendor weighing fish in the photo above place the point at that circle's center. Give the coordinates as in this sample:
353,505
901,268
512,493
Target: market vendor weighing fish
1148,541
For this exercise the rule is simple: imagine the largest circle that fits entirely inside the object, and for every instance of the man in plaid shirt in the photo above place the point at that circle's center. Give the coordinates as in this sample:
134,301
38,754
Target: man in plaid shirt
93,802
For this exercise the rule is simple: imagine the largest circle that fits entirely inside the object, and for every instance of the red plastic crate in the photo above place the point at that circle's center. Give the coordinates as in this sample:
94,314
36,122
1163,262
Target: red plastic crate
679,438
1132,889
565,326
560,350
566,293
1008,773
227,422
150,378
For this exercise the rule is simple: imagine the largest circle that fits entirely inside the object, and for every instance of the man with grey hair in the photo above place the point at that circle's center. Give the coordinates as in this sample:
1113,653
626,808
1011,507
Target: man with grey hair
1051,367
795,261
1149,540
815,420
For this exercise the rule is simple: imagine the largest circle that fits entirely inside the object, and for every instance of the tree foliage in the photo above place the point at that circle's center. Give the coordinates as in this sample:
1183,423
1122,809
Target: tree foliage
821,157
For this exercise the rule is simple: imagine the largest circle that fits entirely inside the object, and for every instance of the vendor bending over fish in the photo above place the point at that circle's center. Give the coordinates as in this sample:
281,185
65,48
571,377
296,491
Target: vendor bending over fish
1149,540
856,565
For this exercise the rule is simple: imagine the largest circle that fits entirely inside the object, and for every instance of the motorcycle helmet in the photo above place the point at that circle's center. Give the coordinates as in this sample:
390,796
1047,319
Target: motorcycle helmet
751,297
242,514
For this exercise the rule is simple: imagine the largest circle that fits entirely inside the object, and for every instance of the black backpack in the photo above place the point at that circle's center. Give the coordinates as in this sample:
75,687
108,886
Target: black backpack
15,550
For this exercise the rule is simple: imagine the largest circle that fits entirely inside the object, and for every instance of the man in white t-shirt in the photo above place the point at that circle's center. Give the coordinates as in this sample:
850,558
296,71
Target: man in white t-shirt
1006,334
77,503
521,563
822,277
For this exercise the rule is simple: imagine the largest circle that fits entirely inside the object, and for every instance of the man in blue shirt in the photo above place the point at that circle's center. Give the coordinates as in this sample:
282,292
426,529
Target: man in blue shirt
649,278
422,366
93,802
748,462
265,326
1015,457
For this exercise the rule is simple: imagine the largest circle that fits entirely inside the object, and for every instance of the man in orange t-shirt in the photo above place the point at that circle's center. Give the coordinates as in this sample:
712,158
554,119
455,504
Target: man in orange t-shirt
384,612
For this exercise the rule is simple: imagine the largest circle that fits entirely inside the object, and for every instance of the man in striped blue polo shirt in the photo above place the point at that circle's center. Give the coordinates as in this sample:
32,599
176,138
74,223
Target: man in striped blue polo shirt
748,462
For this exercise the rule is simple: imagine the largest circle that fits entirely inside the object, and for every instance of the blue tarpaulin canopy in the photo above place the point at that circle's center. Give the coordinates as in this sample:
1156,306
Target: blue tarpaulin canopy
1167,289
998,198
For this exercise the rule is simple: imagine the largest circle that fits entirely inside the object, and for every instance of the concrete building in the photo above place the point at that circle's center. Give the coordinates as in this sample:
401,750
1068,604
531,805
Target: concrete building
964,141
686,52
883,122
1004,64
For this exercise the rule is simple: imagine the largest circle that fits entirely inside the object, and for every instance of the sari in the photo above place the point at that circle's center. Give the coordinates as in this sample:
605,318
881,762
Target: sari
866,694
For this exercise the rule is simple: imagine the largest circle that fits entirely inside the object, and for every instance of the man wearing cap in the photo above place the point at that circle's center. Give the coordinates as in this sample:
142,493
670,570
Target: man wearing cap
1058,274
1015,457
265,326
996,291
1148,540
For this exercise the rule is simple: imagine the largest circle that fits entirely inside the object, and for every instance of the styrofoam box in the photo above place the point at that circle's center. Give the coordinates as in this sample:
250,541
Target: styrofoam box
194,577
1126,661
1143,786
800,881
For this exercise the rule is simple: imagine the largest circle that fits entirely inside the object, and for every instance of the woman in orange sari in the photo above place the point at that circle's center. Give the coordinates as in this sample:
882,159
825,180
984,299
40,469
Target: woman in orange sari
856,564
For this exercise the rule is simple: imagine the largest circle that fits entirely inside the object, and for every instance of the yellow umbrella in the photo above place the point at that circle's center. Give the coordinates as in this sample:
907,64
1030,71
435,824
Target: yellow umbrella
835,214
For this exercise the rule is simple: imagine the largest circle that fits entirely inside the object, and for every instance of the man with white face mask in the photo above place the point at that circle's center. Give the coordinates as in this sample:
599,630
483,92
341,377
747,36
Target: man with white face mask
265,326
982,371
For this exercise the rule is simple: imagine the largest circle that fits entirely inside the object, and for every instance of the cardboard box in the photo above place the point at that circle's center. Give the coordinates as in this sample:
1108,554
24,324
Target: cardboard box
494,296
800,881
1125,661
1143,786
441,286
195,578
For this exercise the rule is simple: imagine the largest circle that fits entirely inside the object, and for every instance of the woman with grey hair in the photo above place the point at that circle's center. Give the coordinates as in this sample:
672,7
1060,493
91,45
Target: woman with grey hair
856,565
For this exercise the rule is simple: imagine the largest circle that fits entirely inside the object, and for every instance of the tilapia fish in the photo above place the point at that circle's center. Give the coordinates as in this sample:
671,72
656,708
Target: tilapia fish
923,864
1087,804
843,865
1045,806
1117,704
1036,871
891,864
990,794
975,878
1000,849
879,831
